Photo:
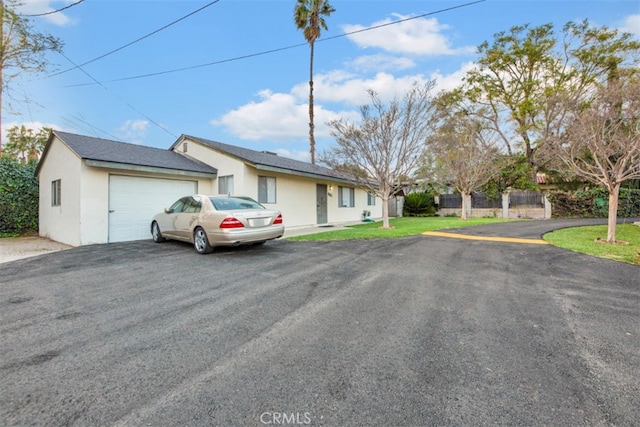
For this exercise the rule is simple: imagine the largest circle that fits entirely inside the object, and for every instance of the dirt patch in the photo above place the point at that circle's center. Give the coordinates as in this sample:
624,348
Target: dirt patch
14,248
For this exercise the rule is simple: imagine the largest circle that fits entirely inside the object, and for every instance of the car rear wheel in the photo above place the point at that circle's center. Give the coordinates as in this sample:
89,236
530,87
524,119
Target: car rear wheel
156,234
201,242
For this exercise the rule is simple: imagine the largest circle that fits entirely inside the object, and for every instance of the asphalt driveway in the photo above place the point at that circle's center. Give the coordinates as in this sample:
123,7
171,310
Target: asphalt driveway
415,331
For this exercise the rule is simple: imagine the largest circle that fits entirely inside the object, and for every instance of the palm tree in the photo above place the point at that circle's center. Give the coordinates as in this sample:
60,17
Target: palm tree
309,17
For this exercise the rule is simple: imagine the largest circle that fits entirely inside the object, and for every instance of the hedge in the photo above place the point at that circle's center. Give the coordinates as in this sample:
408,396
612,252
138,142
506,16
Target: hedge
18,197
594,203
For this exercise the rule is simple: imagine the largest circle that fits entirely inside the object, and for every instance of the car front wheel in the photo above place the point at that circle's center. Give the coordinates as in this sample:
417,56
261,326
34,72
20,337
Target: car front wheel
201,242
156,234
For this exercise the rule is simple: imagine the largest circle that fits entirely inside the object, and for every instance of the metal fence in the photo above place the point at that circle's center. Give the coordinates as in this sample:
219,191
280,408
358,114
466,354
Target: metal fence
526,198
480,201
452,201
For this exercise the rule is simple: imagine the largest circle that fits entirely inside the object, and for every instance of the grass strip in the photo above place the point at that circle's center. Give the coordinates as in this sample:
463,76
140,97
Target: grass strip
584,240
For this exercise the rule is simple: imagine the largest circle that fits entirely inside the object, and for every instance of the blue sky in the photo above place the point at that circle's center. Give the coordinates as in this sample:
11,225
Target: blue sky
260,101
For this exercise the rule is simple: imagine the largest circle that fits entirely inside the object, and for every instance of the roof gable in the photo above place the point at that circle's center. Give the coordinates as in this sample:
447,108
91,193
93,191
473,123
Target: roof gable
104,150
269,160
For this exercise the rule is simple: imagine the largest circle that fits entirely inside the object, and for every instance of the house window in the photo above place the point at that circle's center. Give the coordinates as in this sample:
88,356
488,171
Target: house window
225,184
371,199
56,192
346,197
184,147
266,189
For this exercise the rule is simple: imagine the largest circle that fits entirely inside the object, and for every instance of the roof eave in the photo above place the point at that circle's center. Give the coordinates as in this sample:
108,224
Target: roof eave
148,169
304,174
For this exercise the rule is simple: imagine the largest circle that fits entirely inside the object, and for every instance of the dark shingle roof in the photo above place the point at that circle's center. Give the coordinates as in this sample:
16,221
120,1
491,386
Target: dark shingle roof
89,148
271,160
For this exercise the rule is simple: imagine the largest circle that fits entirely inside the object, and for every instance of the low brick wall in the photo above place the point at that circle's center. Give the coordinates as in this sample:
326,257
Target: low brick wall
523,212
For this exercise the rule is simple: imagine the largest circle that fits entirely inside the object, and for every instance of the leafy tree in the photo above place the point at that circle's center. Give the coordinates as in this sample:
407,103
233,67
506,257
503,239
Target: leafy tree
22,50
515,172
387,146
601,142
309,17
25,143
465,150
522,71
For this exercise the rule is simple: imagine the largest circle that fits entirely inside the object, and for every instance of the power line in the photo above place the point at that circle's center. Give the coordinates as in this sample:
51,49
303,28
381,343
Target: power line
119,98
136,40
53,11
266,52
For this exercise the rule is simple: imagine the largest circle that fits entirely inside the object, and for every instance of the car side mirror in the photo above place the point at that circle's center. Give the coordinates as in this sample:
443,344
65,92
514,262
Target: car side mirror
168,210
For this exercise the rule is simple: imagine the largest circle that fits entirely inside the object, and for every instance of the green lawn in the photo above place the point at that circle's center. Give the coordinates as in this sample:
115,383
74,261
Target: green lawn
583,240
407,226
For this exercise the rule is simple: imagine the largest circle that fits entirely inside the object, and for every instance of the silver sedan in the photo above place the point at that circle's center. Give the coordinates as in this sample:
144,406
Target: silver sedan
210,221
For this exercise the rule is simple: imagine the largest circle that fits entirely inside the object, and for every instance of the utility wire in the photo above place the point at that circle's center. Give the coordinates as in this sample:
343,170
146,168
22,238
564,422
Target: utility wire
136,40
266,52
54,11
119,98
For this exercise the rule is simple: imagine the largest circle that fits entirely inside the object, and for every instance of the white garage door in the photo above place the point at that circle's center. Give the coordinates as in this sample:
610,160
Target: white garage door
133,201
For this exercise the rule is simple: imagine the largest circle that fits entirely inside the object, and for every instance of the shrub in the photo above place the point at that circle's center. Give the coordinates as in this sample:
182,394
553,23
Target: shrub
18,197
419,204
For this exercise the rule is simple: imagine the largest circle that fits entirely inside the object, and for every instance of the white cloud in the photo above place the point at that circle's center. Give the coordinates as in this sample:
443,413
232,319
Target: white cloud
38,7
453,80
285,116
351,89
369,63
133,131
632,25
276,116
420,36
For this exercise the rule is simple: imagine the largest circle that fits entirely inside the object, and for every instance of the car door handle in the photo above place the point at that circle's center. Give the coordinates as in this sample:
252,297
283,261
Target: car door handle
111,211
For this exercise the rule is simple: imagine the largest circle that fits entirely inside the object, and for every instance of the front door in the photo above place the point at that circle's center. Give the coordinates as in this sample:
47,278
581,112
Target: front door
321,202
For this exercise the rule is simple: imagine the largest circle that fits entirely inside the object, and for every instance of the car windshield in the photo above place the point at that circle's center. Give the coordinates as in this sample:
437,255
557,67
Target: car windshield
234,203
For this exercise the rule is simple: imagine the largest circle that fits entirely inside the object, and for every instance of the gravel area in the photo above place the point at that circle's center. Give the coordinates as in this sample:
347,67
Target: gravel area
13,248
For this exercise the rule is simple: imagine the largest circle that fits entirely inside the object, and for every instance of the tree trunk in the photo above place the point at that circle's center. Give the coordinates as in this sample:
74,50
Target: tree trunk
385,213
312,141
463,214
613,213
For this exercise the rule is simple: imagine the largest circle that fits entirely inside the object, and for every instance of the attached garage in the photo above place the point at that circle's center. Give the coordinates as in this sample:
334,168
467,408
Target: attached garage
94,190
133,201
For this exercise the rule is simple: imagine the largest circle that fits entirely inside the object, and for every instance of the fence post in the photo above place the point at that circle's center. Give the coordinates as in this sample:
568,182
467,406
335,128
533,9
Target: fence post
547,206
505,205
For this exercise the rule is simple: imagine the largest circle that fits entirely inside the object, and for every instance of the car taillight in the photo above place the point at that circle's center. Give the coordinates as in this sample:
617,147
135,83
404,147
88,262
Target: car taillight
231,222
278,219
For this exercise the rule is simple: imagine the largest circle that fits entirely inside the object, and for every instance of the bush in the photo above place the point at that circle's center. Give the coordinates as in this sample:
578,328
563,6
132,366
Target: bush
18,197
419,204
594,203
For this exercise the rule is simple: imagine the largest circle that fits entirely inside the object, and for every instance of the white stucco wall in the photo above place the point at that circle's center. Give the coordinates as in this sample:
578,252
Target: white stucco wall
83,215
60,223
295,195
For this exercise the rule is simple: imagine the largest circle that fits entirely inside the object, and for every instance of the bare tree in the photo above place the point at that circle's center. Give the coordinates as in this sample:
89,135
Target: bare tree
601,144
22,50
464,150
386,147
